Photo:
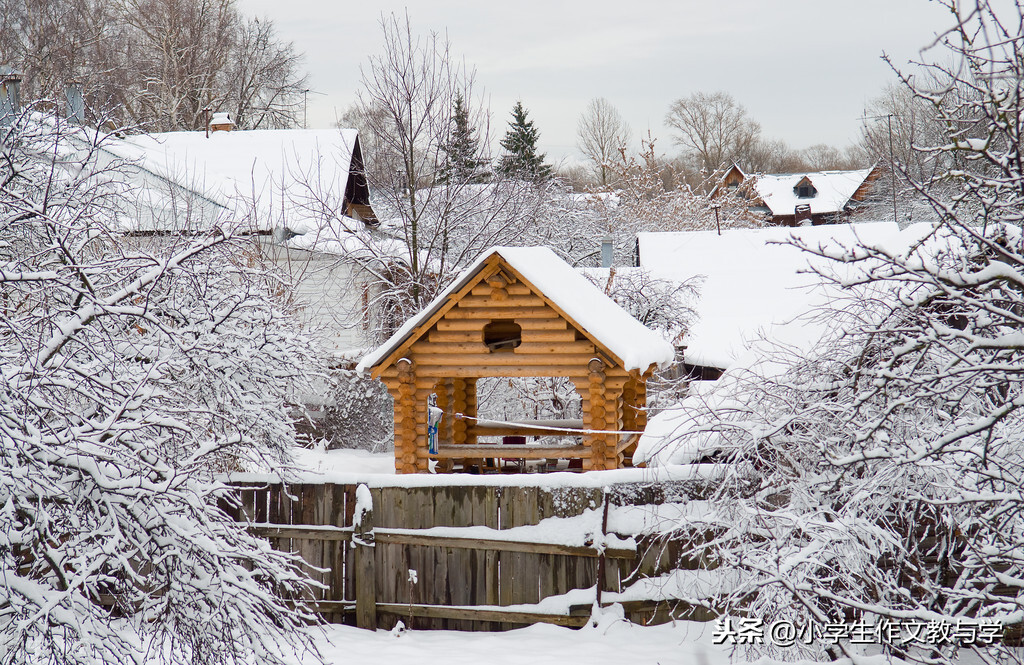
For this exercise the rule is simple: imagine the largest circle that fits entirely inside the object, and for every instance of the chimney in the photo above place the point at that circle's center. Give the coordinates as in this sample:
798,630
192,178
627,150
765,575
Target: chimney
802,215
221,122
10,107
75,102
607,252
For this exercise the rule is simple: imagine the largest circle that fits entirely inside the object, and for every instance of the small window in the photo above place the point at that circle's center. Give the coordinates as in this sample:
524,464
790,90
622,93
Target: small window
805,189
503,335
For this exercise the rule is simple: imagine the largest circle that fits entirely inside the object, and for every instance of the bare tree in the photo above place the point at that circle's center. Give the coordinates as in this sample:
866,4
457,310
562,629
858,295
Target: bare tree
714,129
157,63
183,46
263,85
601,134
655,196
408,105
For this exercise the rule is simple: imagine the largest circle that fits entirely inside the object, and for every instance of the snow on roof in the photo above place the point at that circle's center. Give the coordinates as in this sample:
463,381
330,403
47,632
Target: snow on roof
677,435
588,308
350,238
834,190
753,283
288,175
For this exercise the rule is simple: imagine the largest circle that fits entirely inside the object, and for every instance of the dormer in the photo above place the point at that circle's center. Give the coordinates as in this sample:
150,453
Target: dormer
805,189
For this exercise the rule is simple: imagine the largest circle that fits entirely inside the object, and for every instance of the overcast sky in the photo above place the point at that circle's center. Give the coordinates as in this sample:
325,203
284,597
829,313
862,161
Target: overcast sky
803,69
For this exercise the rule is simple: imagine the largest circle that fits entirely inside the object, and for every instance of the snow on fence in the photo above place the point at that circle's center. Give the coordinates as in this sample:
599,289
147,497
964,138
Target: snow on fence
476,557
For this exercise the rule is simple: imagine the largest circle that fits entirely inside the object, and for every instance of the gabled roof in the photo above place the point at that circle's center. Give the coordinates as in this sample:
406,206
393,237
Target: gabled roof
583,305
834,190
288,175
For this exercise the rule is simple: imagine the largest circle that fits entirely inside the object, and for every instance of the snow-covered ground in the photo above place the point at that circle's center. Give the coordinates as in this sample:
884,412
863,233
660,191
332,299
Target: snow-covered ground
345,461
612,642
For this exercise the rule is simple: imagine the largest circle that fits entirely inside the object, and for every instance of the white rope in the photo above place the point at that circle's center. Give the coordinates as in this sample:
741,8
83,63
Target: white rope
559,430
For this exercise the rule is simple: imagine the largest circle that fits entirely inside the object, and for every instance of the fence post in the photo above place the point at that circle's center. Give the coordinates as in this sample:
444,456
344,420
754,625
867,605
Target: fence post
365,573
601,559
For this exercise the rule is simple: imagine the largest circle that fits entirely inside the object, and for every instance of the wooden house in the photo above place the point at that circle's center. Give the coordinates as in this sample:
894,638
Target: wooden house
518,311
795,199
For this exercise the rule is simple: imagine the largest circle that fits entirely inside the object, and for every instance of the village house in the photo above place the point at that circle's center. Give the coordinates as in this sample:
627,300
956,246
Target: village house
752,283
795,199
300,194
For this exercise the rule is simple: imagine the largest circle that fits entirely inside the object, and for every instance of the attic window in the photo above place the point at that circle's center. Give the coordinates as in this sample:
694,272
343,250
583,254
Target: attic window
805,189
503,335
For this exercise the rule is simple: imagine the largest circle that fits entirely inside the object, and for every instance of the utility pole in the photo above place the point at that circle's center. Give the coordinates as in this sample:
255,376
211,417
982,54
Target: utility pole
892,160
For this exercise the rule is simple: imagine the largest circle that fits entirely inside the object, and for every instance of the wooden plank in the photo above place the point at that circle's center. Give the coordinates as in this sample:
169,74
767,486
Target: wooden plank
499,359
476,372
483,314
548,336
366,573
519,431
454,336
557,348
517,303
627,442
539,326
478,614
248,507
452,325
304,532
392,537
512,451
430,348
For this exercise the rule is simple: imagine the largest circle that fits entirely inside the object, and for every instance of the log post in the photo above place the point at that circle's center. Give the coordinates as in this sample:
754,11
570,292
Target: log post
405,418
365,573
598,412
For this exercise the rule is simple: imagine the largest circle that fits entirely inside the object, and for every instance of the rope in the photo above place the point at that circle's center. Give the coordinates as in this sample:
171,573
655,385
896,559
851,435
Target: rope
572,430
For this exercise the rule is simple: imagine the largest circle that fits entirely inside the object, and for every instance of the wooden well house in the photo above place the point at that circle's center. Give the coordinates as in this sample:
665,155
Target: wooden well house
518,312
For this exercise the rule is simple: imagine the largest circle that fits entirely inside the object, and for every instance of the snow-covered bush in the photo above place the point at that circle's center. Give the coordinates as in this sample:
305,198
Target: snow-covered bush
133,372
356,413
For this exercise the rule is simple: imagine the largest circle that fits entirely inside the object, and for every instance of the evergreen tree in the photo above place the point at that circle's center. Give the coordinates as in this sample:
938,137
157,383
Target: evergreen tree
520,143
461,163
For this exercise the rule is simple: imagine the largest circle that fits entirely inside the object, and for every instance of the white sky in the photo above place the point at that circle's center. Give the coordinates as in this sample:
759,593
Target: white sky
803,69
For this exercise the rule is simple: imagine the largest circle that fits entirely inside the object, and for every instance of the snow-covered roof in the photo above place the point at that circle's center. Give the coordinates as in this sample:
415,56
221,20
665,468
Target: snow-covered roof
834,189
286,175
753,282
587,308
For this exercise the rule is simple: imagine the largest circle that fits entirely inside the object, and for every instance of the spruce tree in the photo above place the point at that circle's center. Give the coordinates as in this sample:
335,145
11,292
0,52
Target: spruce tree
520,143
461,163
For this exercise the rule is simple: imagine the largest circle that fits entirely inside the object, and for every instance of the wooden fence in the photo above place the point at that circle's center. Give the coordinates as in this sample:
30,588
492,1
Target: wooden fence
471,573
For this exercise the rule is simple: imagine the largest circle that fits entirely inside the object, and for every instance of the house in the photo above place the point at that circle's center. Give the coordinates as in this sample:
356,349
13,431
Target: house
795,199
517,311
753,283
300,194
763,299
